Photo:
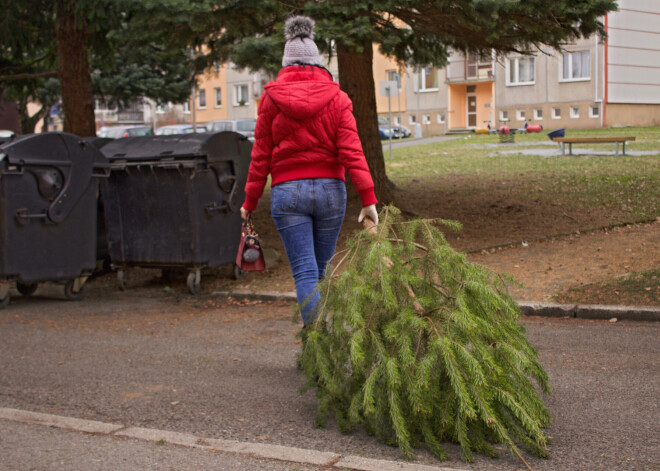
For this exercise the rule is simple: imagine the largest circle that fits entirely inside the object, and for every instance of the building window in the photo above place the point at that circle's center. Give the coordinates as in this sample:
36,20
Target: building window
397,120
520,115
412,119
520,71
202,99
504,115
538,114
393,76
216,66
186,107
218,97
594,112
428,79
575,112
241,95
576,66
441,118
426,119
556,113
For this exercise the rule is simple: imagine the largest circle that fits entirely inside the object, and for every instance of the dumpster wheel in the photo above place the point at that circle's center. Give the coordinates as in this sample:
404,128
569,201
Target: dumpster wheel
237,272
74,289
193,281
26,289
121,279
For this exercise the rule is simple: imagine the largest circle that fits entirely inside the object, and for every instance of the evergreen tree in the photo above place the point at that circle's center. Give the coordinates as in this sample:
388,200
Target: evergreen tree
69,39
417,344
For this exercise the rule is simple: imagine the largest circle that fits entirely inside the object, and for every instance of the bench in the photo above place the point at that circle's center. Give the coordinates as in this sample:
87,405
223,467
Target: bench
591,140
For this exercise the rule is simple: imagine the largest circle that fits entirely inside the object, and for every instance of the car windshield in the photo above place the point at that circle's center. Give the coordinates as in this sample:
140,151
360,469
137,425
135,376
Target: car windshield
247,125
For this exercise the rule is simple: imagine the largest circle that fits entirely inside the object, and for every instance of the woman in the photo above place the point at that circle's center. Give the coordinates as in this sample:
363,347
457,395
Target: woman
306,138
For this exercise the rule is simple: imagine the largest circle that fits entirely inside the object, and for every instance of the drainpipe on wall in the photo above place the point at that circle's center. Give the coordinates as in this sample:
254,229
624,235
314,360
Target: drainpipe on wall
596,82
605,82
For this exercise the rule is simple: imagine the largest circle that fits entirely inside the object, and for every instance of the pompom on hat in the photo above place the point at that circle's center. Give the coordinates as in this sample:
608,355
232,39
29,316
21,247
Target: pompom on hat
300,47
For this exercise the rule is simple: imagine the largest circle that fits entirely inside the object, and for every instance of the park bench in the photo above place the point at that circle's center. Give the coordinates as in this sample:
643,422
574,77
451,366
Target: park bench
591,140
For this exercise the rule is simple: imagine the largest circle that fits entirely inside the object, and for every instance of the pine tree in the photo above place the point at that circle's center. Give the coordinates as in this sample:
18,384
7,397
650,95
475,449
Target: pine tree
417,344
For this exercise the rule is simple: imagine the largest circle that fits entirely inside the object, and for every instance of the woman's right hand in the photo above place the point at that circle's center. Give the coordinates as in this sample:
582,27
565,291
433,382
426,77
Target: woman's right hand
244,213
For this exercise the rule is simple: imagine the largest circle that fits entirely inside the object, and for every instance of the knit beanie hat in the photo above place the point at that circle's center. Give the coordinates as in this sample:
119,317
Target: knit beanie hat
300,46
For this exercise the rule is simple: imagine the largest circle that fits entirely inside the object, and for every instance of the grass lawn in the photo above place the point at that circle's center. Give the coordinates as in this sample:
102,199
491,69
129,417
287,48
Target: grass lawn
628,185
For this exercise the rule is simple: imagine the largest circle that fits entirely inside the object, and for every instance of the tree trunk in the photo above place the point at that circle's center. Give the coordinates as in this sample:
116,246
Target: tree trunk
73,71
356,79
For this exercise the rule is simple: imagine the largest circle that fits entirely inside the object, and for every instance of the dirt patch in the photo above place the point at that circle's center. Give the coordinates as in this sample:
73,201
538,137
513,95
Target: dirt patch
551,245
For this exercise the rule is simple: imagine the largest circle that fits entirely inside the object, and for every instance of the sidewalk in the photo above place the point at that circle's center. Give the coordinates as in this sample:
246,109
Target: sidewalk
65,443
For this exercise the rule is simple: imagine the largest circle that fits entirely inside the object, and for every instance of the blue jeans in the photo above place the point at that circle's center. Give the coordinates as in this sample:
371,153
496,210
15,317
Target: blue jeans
308,214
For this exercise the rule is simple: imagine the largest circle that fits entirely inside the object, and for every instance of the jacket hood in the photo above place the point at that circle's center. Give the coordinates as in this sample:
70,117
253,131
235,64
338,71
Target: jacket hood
301,92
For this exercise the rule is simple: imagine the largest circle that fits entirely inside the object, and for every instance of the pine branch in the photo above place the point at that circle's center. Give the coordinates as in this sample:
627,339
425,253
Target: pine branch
423,348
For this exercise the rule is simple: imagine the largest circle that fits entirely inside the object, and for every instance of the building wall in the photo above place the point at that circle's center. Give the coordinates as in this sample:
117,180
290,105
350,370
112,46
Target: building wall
381,66
551,100
633,53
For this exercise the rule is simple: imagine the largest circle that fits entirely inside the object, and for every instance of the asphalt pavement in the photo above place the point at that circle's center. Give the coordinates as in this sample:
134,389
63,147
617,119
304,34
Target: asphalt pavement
224,370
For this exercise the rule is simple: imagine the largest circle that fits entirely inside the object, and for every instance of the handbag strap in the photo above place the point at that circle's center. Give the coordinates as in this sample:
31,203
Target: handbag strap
249,227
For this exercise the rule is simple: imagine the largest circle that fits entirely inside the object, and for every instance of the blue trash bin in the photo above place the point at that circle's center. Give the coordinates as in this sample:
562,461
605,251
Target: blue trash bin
561,132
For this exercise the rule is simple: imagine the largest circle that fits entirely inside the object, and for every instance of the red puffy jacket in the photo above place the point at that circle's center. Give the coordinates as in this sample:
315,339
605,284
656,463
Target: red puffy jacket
306,129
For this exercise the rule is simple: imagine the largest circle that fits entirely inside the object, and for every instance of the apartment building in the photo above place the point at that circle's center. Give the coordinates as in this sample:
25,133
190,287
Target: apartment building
592,83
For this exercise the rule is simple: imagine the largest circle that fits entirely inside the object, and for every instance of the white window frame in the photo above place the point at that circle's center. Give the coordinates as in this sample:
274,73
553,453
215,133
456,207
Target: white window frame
538,114
186,107
520,115
504,115
421,84
556,113
397,121
237,93
515,61
570,67
412,119
201,94
426,119
574,112
591,111
442,118
218,94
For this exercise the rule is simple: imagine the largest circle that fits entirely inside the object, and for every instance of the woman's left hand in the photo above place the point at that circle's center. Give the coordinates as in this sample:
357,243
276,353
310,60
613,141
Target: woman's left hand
370,212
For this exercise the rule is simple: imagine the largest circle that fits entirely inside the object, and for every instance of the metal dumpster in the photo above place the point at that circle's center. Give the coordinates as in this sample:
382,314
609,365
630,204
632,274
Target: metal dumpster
174,201
48,198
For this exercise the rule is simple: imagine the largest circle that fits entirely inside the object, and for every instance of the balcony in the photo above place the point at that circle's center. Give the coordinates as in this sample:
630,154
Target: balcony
462,71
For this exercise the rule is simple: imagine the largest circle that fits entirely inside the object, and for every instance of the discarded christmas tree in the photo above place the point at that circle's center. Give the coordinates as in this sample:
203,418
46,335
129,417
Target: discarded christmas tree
417,344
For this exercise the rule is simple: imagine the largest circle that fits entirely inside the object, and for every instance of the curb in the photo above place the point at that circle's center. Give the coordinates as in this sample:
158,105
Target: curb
258,450
529,308
591,311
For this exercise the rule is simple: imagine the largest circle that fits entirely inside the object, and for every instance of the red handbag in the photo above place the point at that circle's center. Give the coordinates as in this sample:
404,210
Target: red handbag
250,256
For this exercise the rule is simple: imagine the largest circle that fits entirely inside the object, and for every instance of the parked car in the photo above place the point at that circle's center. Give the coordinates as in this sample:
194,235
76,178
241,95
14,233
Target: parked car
6,135
178,129
243,126
116,132
398,131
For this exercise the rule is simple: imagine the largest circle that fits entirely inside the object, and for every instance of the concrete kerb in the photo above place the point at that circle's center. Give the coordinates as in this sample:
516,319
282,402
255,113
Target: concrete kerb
258,450
529,308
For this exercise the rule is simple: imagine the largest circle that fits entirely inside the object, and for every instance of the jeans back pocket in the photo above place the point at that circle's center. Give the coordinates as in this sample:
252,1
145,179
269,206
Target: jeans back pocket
336,193
284,197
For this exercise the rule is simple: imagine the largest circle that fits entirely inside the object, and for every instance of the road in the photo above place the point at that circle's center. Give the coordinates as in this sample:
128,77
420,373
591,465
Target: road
225,369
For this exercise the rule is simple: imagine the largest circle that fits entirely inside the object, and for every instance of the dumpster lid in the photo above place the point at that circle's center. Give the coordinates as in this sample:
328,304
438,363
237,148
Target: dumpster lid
212,147
54,149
